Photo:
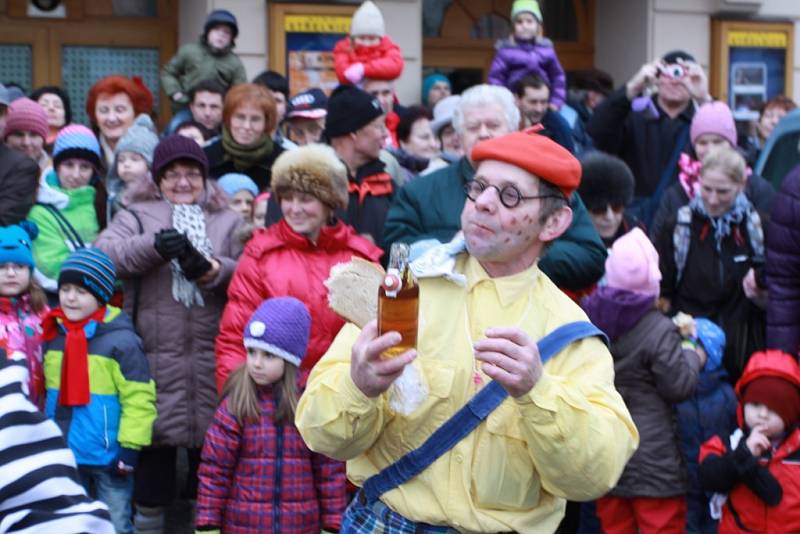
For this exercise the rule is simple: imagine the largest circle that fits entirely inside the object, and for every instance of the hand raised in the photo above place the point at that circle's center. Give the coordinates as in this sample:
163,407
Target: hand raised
511,357
369,371
757,442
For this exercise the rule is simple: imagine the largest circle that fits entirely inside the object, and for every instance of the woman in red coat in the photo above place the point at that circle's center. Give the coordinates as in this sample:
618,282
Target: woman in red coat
294,256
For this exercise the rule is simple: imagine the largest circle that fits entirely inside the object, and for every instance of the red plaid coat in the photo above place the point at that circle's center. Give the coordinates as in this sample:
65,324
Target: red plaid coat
260,477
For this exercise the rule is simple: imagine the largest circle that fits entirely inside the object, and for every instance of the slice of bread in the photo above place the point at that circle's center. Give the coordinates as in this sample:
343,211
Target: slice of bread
353,290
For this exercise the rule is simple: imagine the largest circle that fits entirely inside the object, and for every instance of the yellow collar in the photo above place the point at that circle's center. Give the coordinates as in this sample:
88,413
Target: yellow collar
508,288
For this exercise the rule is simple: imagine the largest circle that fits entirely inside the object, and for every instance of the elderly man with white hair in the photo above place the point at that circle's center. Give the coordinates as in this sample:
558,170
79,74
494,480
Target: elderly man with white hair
430,206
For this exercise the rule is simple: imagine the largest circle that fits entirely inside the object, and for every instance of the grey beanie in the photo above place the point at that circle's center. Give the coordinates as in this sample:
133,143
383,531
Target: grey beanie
140,138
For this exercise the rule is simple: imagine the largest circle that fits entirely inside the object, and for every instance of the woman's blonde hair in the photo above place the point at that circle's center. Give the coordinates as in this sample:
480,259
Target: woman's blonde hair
727,161
242,393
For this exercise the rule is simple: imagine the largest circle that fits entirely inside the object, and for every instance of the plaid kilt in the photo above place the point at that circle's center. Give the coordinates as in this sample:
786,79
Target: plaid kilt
376,518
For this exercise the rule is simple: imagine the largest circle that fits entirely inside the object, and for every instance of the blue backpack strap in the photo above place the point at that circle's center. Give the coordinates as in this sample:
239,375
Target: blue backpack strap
469,416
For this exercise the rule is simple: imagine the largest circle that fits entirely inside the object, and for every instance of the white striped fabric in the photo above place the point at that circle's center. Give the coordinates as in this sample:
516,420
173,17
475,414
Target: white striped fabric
39,486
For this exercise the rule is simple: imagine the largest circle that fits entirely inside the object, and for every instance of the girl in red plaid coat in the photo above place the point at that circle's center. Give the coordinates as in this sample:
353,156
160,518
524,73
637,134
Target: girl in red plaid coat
256,474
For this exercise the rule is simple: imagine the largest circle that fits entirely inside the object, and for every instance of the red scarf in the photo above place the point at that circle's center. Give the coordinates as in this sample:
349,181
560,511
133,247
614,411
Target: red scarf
75,364
376,185
392,121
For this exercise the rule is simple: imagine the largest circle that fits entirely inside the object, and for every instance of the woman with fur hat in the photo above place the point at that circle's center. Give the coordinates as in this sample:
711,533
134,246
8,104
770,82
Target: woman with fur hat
607,189
653,369
175,250
309,183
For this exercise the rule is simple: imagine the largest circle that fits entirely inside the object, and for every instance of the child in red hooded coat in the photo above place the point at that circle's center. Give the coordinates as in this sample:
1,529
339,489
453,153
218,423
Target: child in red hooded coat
756,471
368,52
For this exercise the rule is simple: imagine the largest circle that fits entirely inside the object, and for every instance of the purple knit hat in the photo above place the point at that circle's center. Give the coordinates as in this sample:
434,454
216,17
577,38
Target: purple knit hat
716,118
175,147
280,326
25,115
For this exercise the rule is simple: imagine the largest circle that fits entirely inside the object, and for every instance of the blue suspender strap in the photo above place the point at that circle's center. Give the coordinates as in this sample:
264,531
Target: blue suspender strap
468,417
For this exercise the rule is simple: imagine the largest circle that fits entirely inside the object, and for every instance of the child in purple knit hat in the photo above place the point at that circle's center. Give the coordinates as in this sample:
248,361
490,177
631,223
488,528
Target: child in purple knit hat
254,459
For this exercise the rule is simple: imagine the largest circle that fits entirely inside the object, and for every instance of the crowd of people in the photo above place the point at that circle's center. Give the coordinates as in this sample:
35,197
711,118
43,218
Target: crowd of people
609,300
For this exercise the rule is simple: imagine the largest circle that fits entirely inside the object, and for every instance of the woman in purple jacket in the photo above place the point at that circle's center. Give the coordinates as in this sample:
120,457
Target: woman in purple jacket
527,52
783,267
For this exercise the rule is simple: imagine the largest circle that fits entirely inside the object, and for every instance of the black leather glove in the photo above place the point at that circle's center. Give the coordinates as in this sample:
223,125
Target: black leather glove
193,264
171,244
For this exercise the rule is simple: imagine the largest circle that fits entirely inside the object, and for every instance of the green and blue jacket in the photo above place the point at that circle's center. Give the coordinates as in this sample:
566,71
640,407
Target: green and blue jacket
121,407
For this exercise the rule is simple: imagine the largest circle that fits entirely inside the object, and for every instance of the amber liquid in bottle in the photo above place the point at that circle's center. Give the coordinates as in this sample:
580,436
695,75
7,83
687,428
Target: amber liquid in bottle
398,302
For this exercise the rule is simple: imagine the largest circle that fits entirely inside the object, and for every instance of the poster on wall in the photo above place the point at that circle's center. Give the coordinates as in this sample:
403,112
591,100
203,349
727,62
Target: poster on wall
309,50
757,69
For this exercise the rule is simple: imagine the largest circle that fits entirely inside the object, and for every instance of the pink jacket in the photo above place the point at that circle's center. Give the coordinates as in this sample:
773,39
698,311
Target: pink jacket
21,331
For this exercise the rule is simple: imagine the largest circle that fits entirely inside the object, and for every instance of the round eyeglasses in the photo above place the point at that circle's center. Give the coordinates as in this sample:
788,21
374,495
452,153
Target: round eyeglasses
510,196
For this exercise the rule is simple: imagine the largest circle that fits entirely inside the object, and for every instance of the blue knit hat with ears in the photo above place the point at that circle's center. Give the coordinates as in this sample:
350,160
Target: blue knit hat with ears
280,326
16,243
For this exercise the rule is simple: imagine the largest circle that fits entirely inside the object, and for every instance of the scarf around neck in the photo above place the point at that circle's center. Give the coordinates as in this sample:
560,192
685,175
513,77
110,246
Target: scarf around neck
75,362
722,224
245,156
189,219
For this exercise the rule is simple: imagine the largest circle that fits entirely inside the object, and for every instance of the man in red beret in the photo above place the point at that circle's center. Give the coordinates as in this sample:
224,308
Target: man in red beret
563,431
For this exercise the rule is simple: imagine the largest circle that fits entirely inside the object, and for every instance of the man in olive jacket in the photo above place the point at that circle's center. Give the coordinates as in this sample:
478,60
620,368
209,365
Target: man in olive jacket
429,207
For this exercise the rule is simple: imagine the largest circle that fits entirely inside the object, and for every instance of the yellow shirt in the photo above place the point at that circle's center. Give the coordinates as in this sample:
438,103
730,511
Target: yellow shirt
569,438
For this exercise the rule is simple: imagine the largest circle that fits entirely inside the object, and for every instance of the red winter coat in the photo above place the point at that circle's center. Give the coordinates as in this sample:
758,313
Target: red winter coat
280,262
744,510
381,62
260,477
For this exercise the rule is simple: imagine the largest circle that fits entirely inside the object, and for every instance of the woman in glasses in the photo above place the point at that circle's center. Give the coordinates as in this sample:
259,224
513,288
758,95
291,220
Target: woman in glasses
175,248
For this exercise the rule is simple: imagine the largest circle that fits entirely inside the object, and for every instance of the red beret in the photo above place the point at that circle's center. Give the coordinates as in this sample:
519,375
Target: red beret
535,153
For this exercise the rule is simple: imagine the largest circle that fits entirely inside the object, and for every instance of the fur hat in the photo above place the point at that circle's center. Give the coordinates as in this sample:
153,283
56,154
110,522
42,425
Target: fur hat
314,169
632,264
367,20
607,180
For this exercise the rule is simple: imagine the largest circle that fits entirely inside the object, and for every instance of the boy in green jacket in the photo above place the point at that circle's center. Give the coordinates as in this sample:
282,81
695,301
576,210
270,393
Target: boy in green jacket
211,58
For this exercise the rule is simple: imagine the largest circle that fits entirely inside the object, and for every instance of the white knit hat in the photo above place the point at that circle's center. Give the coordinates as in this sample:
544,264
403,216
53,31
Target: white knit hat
367,20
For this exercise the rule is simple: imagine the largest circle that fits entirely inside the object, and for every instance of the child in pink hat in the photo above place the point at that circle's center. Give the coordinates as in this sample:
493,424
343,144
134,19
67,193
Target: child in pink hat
654,368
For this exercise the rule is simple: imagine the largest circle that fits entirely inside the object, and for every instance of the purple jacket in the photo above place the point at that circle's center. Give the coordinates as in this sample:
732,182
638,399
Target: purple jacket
514,60
783,267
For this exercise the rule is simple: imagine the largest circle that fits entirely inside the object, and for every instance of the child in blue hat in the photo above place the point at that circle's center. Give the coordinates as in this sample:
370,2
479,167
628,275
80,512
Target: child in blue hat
711,411
22,303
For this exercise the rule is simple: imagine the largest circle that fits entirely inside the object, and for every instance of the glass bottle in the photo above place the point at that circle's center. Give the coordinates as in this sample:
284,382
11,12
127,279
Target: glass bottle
398,301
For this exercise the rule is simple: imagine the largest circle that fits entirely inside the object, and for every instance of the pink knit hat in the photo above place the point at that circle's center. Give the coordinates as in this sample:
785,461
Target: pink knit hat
632,264
25,115
714,117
